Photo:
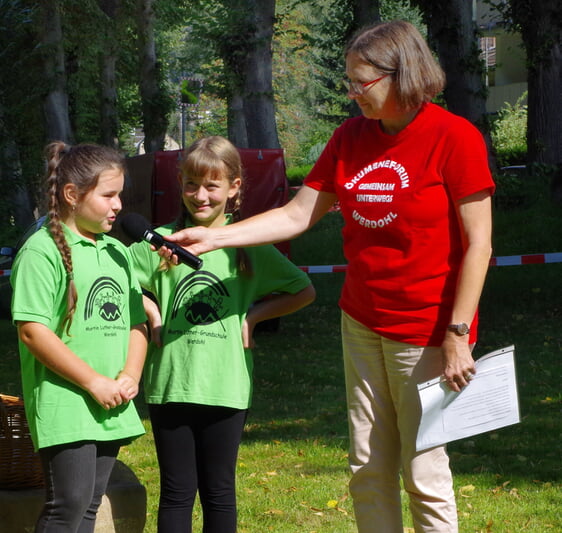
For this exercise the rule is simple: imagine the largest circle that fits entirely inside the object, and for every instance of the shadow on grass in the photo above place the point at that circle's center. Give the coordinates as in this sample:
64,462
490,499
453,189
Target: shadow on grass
299,385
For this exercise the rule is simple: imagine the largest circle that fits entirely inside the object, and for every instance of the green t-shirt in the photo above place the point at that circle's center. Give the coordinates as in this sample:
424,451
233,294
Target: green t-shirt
202,359
109,304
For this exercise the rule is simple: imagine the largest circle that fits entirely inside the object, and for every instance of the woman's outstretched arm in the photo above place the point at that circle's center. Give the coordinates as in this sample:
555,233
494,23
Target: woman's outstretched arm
280,224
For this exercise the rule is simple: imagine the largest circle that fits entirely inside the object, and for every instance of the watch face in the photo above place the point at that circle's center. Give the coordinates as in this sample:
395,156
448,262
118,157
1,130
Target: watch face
459,329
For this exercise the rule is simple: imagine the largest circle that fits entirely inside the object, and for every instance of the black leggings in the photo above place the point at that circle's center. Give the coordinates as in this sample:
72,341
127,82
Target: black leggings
197,448
76,477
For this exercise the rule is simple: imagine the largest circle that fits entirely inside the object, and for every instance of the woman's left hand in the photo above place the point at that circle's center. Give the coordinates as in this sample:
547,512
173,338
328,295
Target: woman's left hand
458,364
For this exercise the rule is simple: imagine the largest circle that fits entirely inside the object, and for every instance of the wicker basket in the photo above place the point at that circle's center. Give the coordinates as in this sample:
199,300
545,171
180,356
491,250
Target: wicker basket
20,466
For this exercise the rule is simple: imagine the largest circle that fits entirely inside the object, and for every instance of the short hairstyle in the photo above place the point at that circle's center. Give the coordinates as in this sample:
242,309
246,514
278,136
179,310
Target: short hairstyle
397,48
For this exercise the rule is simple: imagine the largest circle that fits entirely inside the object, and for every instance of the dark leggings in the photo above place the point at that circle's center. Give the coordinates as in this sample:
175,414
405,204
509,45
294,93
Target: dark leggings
197,448
76,477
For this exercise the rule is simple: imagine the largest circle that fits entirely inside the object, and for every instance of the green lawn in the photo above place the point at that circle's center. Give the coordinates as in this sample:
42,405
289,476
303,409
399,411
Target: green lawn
292,470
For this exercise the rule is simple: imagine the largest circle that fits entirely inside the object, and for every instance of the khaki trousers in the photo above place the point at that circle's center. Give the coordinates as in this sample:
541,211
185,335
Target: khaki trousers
383,413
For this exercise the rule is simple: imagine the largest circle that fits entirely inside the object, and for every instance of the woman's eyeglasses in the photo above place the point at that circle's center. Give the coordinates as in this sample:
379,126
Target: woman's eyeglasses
358,88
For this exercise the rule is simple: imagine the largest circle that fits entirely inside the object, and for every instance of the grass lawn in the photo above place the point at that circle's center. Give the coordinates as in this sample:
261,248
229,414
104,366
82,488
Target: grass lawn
292,470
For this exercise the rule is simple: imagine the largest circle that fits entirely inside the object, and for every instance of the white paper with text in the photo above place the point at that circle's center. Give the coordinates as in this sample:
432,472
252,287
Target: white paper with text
489,402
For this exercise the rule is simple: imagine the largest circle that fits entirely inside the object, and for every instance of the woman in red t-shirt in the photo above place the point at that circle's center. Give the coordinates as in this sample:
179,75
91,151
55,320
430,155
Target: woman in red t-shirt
415,191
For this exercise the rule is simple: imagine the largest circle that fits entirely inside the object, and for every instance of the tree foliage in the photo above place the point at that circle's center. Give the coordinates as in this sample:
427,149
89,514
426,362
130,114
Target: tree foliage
215,42
540,26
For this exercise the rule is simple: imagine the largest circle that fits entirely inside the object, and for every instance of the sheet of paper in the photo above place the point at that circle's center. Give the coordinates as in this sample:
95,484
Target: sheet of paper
489,402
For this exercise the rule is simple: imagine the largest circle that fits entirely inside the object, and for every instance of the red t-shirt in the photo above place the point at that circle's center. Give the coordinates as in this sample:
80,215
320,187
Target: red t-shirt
401,236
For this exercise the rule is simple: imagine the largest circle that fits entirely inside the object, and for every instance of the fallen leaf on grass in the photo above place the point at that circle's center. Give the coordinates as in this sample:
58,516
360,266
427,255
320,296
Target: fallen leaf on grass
466,490
274,512
502,487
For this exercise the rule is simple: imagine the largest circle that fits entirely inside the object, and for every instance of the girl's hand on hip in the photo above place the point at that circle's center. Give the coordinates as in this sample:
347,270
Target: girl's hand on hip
248,334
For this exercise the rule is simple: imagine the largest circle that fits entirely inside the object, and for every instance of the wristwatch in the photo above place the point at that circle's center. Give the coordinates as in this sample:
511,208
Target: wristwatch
459,329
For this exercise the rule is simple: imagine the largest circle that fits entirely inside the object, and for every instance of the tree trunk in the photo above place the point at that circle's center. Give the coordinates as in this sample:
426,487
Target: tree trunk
108,60
17,206
453,34
259,107
232,46
237,132
56,100
541,30
245,48
154,107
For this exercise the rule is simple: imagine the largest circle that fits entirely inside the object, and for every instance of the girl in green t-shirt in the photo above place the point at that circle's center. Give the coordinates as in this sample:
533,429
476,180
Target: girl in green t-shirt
198,374
82,335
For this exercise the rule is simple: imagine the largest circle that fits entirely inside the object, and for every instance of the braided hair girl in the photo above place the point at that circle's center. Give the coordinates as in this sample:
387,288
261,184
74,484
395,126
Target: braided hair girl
78,387
74,170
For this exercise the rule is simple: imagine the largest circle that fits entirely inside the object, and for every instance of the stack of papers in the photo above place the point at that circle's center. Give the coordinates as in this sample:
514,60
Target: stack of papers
489,402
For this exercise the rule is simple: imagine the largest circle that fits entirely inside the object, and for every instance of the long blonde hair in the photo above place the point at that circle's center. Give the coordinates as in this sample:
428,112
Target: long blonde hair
80,165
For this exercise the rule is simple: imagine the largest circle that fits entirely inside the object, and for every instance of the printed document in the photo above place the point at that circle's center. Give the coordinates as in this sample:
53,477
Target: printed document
489,402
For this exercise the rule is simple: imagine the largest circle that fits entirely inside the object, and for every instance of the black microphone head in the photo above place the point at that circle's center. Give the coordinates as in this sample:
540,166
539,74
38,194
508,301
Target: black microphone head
135,226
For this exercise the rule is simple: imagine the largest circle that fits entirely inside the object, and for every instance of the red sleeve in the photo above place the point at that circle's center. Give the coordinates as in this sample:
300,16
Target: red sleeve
323,174
466,170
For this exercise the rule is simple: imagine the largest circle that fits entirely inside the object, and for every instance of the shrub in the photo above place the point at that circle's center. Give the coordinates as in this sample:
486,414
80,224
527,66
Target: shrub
296,175
509,133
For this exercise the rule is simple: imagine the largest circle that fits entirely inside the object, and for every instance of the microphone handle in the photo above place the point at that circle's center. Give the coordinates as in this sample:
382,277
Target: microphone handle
183,255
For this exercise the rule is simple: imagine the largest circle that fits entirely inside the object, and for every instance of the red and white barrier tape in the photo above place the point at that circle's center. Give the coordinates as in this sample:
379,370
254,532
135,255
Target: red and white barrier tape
530,259
506,260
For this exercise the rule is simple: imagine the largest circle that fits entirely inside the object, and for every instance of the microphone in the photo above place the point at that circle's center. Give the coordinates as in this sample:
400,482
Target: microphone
139,229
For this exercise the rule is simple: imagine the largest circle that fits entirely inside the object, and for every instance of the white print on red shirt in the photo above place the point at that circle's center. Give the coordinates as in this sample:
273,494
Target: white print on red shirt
387,163
372,187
